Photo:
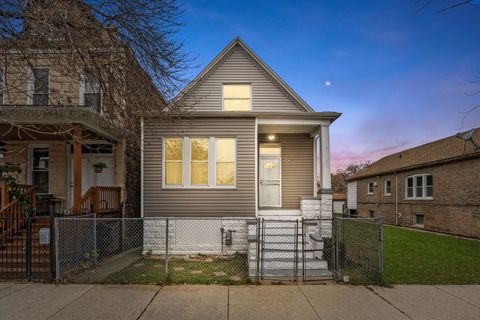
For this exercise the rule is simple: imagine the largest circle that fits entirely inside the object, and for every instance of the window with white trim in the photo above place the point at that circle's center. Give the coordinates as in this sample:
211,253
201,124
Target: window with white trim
419,186
40,86
237,97
370,187
90,91
199,162
1,85
387,187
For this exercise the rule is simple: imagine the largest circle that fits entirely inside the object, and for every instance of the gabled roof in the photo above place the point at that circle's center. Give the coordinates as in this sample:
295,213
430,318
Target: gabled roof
274,76
444,150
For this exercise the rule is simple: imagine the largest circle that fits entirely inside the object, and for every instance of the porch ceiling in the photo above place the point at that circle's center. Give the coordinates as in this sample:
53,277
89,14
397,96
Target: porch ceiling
278,128
52,123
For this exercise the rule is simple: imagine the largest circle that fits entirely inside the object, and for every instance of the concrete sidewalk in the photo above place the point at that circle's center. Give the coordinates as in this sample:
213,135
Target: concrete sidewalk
38,301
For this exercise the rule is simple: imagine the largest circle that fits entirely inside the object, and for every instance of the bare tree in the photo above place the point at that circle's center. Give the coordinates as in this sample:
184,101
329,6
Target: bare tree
442,6
339,183
125,47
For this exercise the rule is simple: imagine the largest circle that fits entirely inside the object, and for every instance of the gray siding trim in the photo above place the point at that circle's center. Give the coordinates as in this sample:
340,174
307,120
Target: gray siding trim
297,174
238,67
200,202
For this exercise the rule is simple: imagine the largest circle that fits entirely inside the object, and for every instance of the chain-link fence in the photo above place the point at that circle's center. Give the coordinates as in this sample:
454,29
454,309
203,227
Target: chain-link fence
358,250
153,250
216,250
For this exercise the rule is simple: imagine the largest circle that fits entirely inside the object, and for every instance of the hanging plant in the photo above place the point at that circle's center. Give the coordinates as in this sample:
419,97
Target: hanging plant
99,166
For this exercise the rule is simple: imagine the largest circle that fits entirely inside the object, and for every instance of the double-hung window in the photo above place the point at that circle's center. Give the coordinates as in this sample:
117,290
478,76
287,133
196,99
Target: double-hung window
199,162
370,187
40,89
90,91
1,85
388,187
237,97
419,186
174,161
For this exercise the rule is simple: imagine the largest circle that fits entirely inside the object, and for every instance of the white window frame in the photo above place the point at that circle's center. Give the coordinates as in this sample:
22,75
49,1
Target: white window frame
81,99
30,164
2,87
424,187
368,187
31,83
212,164
237,83
385,193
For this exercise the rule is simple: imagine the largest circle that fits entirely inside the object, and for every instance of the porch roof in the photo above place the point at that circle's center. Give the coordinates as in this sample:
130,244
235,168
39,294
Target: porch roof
51,117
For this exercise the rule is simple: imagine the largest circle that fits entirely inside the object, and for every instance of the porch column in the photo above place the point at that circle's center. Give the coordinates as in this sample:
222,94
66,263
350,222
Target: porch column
325,182
77,167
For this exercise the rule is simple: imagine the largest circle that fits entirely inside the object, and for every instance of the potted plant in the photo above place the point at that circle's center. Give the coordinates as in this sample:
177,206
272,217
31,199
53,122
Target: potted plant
99,166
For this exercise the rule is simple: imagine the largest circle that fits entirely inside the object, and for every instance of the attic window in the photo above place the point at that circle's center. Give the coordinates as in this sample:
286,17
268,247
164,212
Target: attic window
237,97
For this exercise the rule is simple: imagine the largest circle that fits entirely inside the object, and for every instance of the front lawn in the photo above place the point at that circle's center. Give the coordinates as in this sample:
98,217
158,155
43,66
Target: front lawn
198,269
413,257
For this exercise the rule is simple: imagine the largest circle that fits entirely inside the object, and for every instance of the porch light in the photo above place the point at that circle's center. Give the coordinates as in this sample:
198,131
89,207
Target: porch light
271,137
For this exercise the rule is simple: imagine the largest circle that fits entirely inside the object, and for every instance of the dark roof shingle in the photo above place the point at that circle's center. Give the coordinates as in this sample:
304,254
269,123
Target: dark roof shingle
444,149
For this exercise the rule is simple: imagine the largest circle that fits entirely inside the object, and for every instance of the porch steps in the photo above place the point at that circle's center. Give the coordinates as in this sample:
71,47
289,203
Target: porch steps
282,252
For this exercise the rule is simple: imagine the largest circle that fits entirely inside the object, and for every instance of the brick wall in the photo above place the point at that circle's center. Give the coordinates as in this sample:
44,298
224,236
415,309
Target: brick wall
455,207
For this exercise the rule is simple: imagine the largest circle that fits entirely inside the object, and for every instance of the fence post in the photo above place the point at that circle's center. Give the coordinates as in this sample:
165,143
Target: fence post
337,245
380,253
29,248
166,246
57,261
95,249
257,253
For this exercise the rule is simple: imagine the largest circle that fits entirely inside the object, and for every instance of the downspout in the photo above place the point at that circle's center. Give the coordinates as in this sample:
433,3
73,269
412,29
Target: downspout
396,199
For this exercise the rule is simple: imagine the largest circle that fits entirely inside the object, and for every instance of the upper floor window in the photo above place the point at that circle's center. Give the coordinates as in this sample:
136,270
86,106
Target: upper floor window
1,86
419,186
199,162
388,187
40,87
90,92
370,187
237,97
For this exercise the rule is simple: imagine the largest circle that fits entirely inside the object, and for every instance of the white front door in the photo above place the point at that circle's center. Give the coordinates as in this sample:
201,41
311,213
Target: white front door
270,181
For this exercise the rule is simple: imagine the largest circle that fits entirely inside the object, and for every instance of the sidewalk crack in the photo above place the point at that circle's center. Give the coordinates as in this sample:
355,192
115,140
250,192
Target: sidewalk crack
384,299
149,303
68,304
310,303
451,294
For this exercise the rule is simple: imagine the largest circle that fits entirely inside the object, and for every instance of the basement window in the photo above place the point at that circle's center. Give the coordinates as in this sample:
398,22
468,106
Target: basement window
419,220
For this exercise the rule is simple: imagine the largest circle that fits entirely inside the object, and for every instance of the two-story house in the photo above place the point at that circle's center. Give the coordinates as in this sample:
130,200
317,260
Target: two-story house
57,124
434,186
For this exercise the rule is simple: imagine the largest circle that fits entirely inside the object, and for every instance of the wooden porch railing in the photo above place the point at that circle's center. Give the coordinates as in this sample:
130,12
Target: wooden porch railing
100,200
13,212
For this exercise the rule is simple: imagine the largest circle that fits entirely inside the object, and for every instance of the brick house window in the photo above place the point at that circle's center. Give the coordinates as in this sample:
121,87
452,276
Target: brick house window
370,187
90,93
388,187
371,213
41,85
419,220
419,186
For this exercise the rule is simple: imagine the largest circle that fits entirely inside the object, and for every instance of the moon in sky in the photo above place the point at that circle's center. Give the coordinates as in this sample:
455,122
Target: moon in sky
328,83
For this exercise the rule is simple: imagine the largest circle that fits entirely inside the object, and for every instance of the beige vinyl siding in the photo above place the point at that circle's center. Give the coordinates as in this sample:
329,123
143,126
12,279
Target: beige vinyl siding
200,202
297,167
238,68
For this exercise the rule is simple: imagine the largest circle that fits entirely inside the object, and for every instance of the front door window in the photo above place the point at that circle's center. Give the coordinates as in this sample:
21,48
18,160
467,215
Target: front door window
270,175
40,175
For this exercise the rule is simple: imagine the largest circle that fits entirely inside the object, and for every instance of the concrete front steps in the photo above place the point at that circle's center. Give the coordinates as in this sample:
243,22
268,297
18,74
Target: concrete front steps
282,241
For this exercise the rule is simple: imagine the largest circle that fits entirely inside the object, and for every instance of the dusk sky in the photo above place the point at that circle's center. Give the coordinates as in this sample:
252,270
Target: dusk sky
400,79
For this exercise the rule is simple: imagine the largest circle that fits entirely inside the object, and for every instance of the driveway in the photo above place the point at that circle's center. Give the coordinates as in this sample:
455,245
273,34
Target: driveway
39,301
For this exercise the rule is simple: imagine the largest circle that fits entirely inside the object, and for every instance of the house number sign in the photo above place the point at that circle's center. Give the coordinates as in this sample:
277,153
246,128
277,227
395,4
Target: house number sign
287,161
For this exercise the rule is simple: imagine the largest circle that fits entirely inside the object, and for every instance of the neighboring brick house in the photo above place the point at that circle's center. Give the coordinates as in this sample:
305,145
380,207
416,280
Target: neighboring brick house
435,186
